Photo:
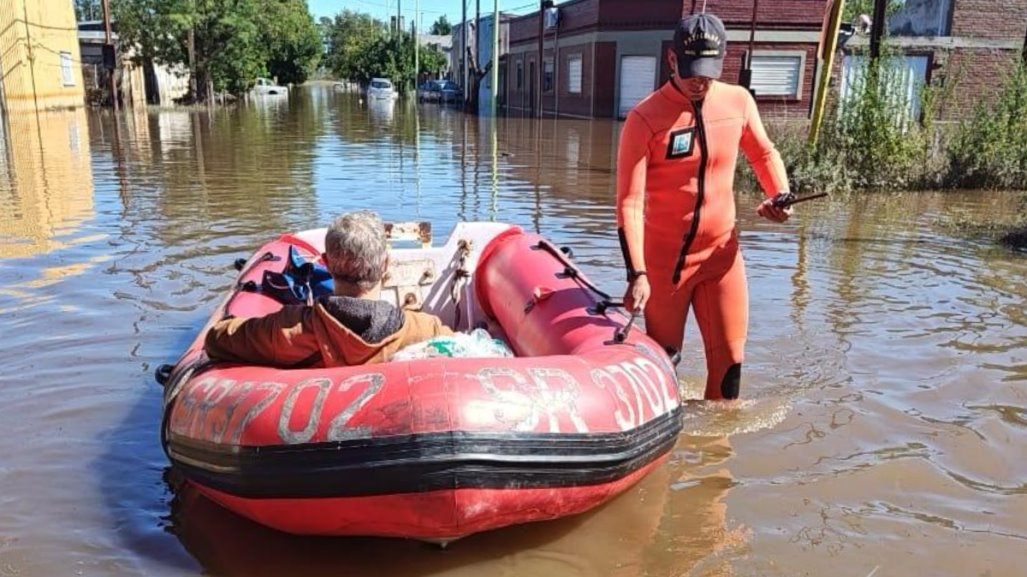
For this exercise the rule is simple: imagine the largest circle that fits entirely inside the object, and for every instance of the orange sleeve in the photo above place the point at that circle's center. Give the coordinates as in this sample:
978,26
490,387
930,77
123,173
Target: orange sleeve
762,154
632,159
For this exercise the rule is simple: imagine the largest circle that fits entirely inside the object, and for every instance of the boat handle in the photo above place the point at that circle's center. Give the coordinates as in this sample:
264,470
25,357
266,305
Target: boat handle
621,334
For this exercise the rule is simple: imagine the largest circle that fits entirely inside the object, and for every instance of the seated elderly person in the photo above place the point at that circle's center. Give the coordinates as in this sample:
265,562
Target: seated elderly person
350,327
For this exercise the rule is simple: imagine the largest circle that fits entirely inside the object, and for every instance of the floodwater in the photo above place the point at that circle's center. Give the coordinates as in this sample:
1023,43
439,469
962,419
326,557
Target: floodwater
884,426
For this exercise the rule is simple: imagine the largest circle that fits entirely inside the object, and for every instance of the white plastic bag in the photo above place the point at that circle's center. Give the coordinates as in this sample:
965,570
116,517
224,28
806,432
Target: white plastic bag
476,344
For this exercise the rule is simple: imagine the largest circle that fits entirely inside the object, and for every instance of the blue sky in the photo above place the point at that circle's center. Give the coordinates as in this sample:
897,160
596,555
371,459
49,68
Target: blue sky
430,9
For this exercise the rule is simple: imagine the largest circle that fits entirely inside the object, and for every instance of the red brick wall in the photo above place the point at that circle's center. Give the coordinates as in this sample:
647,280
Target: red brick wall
979,75
995,19
770,13
576,104
517,98
640,14
575,16
776,106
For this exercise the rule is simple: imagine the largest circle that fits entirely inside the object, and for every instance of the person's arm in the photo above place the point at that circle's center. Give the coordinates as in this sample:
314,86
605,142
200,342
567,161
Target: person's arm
278,339
632,164
766,163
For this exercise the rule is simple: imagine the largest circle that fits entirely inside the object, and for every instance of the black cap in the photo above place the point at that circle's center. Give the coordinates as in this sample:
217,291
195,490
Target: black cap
700,43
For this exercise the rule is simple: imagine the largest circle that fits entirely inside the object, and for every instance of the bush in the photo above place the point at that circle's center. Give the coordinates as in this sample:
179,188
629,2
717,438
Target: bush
990,150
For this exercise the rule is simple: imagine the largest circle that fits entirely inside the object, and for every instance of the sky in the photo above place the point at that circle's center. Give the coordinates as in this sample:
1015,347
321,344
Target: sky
430,9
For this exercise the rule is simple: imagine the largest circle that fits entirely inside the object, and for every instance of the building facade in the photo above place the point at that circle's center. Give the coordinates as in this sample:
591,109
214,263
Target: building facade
600,57
967,47
39,55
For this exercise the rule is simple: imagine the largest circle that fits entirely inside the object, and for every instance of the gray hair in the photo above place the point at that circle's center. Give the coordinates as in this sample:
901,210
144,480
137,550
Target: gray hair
357,249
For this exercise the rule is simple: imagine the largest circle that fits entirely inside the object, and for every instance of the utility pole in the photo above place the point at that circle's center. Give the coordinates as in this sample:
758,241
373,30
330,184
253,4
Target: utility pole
1024,53
745,78
463,50
877,28
538,70
475,98
495,58
399,17
108,46
417,44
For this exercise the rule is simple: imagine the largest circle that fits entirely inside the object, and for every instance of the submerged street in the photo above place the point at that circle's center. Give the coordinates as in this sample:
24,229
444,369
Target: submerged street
883,424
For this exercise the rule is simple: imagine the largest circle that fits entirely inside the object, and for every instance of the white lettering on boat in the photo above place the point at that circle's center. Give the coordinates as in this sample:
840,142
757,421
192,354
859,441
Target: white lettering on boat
537,398
337,429
285,431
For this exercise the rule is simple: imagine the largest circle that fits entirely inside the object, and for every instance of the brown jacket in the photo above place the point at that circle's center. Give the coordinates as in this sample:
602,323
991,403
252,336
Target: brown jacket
335,331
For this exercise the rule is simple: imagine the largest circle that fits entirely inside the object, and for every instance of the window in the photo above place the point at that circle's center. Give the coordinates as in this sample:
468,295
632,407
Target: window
778,73
67,73
520,75
574,74
547,76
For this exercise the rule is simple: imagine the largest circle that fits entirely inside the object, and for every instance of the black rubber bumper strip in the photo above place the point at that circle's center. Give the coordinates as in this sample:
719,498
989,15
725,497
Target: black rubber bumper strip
424,462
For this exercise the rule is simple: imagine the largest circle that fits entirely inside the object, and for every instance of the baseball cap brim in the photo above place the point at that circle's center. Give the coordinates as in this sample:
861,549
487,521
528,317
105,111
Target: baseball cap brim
708,67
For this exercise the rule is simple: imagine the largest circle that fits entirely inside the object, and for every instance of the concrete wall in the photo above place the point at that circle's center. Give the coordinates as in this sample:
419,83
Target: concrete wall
33,36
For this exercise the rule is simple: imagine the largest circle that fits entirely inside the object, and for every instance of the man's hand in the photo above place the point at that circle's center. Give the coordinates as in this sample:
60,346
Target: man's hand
637,295
770,208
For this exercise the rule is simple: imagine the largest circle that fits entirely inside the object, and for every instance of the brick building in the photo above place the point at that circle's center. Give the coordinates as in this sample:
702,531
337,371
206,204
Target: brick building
971,43
600,57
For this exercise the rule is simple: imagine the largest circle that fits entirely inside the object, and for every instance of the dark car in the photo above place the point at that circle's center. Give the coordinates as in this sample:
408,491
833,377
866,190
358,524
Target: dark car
430,91
451,92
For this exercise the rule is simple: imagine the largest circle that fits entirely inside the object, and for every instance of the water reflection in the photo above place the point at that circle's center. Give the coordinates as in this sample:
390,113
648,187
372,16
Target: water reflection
47,191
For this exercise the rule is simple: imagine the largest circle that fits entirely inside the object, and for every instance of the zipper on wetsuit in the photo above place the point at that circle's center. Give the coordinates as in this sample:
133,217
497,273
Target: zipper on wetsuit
699,197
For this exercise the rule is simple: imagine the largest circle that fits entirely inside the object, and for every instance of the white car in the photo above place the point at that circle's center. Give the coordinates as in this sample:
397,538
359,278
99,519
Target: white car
265,87
381,89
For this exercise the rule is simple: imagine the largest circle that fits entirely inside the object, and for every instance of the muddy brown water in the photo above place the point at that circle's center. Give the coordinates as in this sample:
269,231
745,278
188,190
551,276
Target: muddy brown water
884,426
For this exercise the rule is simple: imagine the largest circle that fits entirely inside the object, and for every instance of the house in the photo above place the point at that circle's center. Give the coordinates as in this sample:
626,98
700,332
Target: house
39,56
966,46
139,83
600,57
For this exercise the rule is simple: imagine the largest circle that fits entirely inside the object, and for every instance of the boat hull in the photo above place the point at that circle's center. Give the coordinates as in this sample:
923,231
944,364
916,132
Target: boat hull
433,449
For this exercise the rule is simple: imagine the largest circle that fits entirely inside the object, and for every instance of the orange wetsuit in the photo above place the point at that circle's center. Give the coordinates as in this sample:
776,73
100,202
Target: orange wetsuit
676,213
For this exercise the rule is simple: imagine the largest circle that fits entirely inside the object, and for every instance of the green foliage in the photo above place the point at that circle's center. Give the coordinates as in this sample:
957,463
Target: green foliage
233,41
990,150
871,133
293,40
441,27
361,48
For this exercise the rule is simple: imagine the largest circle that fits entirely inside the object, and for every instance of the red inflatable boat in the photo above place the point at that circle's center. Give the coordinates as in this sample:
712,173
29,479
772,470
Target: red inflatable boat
432,449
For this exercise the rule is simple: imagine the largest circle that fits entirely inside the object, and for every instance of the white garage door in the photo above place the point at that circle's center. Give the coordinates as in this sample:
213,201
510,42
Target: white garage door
637,80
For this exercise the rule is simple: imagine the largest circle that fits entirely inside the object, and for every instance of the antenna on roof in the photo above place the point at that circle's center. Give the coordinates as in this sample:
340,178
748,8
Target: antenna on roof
704,6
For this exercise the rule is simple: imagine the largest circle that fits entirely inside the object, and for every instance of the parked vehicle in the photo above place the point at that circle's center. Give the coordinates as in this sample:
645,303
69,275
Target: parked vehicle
450,92
266,87
381,89
430,91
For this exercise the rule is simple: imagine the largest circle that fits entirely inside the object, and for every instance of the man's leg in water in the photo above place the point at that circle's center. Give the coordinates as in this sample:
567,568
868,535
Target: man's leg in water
666,313
721,307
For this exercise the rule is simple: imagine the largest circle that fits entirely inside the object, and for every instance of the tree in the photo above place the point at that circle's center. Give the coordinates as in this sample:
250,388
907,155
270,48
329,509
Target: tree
441,27
432,61
226,44
293,40
219,40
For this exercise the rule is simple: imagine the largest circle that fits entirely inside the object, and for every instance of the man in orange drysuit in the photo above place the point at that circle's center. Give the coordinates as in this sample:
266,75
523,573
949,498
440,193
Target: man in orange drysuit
675,201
